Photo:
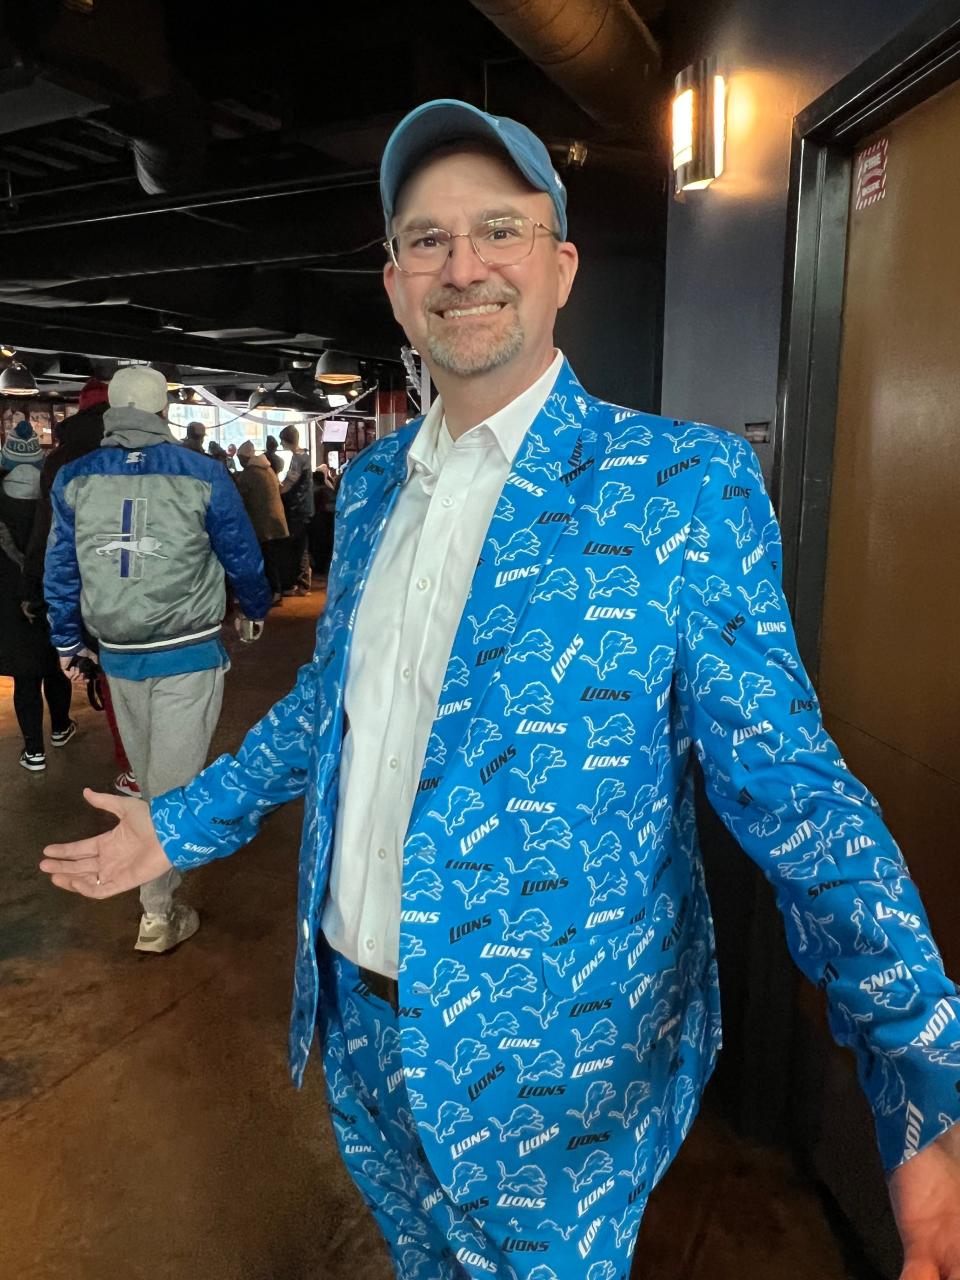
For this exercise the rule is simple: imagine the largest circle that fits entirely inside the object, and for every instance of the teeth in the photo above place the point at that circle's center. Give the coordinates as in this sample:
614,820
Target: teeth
487,309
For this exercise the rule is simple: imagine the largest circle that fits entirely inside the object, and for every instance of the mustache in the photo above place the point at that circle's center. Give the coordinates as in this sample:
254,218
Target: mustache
444,298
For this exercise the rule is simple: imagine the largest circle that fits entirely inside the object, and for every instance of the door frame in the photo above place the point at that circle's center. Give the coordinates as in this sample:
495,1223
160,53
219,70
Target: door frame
923,59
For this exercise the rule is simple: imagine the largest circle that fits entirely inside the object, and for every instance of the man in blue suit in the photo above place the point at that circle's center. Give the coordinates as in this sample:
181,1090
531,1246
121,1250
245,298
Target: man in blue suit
540,606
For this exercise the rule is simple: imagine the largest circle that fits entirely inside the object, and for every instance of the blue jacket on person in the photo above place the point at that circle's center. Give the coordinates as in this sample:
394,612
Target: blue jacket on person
142,534
557,947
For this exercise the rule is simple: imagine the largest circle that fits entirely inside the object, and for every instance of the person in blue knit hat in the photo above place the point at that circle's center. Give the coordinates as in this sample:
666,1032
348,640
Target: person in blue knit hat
21,459
26,653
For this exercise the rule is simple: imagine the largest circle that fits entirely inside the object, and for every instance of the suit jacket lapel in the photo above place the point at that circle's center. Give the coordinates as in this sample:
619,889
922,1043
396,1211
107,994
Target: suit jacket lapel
551,474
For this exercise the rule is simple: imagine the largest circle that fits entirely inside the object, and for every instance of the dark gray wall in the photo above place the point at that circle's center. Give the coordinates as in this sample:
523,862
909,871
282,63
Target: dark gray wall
722,310
726,244
611,328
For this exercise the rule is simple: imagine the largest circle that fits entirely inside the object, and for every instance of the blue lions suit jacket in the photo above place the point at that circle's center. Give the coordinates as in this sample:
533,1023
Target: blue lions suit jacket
557,946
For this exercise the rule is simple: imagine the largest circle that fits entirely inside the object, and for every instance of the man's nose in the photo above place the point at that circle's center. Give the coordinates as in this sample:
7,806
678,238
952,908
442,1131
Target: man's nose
463,266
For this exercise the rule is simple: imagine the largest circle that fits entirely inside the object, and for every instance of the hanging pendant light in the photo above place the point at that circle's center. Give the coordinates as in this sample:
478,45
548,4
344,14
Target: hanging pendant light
17,380
334,369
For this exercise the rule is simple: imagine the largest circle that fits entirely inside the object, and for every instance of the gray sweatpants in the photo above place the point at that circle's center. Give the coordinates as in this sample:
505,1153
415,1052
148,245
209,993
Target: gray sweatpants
166,725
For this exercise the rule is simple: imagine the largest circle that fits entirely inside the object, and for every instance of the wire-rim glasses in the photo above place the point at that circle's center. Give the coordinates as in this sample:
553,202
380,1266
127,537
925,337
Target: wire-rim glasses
497,242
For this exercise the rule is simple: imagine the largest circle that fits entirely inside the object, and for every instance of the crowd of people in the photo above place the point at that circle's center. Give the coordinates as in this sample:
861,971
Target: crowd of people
90,601
292,517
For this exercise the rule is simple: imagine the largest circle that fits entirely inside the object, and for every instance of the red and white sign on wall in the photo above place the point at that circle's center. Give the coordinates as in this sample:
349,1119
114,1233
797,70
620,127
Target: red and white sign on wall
871,174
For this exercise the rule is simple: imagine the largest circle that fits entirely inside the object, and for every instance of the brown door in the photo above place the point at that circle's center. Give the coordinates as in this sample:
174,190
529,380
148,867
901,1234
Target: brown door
890,660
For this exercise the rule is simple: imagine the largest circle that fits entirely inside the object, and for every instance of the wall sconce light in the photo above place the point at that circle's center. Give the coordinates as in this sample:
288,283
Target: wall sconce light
699,125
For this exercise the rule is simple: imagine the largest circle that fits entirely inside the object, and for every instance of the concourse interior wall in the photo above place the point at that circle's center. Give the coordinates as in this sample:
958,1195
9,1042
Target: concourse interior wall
725,256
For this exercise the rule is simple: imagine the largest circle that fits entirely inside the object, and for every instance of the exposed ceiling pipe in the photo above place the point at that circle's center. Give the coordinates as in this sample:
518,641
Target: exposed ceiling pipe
598,52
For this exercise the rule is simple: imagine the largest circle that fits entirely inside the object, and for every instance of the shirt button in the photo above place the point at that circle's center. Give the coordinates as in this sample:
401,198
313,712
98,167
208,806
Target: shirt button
306,929
370,944
406,673
393,762
381,854
448,502
422,584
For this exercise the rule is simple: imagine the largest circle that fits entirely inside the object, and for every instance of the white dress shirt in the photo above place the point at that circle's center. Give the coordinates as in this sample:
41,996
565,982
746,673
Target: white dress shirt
403,634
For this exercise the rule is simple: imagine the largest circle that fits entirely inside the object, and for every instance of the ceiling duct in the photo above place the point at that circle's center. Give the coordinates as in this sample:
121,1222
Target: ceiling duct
598,52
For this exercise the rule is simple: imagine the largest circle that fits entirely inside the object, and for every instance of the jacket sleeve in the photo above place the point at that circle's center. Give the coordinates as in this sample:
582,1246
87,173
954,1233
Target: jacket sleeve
854,920
293,473
222,808
61,579
235,545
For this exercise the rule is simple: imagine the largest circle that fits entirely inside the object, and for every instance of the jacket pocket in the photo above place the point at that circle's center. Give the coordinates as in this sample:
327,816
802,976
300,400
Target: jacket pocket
601,959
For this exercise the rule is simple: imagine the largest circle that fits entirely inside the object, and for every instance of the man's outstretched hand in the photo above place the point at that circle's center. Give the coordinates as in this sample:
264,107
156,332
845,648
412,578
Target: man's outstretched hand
926,1204
123,858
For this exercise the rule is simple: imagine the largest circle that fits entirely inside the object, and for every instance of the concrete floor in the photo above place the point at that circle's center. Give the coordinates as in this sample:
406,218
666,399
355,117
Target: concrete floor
147,1125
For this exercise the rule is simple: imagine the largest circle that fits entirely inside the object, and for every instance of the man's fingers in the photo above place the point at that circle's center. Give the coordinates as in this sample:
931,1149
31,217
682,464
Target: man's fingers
86,886
74,852
71,867
117,805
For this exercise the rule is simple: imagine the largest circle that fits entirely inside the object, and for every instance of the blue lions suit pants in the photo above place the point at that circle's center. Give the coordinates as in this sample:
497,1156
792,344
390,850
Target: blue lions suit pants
372,1102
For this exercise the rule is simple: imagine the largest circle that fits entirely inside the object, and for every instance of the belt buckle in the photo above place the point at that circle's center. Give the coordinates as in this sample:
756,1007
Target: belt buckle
384,988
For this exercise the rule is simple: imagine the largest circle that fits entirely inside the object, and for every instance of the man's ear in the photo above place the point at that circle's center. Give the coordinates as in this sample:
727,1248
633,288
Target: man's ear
568,260
390,285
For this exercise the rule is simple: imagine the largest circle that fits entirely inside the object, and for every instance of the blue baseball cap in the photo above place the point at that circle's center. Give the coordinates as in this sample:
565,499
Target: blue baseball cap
448,120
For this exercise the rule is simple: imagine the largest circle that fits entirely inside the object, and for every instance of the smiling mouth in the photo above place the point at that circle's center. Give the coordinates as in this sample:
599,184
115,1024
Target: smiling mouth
482,309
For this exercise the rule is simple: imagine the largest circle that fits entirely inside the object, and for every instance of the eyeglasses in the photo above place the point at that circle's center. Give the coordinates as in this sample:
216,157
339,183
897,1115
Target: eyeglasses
497,242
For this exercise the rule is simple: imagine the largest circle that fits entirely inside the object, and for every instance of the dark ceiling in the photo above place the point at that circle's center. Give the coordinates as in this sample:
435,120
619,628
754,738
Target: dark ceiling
195,182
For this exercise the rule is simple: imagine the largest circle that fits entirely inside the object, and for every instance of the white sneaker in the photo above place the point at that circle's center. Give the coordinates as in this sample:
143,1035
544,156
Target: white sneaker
160,933
63,737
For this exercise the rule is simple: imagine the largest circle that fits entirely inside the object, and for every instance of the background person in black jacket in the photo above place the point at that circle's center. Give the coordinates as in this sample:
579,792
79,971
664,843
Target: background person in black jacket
25,649
297,493
325,485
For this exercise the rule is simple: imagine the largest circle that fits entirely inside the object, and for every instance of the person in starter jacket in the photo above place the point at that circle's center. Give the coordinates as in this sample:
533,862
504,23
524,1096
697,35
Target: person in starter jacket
541,607
143,531
80,434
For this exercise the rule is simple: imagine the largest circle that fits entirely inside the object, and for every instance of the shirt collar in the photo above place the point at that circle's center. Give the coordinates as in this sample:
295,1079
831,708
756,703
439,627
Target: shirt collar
505,428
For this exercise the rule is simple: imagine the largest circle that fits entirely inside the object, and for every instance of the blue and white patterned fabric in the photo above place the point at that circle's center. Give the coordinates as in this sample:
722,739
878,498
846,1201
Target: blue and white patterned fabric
373,1068
557,948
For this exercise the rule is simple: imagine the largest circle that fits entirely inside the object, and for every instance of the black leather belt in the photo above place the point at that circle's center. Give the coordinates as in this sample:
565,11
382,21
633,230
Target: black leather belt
384,988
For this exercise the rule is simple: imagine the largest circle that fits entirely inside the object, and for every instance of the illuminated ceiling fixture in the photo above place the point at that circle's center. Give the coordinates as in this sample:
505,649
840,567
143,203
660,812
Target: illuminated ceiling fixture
699,125
17,380
7,352
334,369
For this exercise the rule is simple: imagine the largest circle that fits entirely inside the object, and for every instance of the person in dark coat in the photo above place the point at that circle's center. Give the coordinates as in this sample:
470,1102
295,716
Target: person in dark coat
193,440
260,491
271,455
80,434
26,653
325,485
297,491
